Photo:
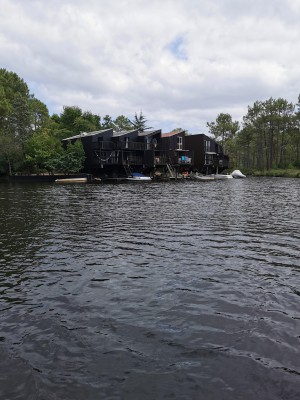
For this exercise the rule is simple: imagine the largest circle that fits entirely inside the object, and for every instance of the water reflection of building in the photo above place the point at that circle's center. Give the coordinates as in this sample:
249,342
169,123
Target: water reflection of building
114,154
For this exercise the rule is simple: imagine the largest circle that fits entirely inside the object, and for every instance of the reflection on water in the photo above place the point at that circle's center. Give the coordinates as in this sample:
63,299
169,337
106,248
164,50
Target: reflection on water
183,290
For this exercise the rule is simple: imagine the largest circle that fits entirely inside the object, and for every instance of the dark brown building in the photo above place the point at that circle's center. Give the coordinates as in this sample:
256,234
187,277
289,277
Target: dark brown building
114,154
208,154
118,154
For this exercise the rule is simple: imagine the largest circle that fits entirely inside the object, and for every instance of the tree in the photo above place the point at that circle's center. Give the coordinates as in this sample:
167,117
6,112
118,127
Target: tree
73,121
123,123
19,119
5,108
14,107
295,135
269,126
10,152
140,122
107,122
13,84
40,149
72,159
223,128
39,114
68,117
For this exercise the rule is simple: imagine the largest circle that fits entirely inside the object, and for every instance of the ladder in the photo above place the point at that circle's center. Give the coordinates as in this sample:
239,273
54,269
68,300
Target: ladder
171,170
127,169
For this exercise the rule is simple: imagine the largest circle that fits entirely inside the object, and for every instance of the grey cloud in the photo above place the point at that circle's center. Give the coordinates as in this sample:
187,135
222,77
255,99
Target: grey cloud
179,62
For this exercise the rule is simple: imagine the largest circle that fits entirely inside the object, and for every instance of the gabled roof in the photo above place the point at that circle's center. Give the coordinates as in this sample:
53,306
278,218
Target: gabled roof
85,134
123,133
150,133
173,133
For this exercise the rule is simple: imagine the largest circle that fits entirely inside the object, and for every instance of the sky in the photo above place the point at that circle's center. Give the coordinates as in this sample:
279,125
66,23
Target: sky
179,62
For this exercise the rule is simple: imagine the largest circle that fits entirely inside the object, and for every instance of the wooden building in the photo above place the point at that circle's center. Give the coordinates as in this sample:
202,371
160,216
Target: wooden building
177,158
111,154
114,154
208,154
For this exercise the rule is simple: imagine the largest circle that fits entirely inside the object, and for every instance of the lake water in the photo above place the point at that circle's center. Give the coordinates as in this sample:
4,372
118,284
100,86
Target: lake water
175,290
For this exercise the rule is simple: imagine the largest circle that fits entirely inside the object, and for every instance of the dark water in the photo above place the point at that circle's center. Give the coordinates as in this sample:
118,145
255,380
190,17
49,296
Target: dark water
185,290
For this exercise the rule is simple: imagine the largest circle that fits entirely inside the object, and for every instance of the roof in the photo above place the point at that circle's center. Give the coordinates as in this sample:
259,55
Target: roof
150,133
85,134
173,133
122,133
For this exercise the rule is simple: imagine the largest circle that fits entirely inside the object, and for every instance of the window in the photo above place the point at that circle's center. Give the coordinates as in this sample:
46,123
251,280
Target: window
148,143
179,143
209,159
207,145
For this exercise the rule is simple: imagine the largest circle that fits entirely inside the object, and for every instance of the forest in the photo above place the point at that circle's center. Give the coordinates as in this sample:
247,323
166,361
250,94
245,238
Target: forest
30,138
268,138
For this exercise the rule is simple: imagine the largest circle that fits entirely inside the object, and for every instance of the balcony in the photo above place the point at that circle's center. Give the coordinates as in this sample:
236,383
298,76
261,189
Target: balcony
126,146
184,160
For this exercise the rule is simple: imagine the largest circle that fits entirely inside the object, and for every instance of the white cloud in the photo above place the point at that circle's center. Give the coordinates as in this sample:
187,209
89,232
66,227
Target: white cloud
180,62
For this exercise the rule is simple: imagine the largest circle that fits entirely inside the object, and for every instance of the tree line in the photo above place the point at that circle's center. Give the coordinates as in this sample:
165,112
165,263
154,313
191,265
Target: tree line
30,139
268,138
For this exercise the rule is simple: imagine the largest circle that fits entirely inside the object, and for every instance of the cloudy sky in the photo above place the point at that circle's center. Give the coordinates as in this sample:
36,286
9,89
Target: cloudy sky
180,62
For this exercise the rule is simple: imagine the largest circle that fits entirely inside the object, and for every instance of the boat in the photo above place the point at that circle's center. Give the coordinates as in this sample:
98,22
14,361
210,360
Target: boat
223,176
237,174
71,180
204,177
138,177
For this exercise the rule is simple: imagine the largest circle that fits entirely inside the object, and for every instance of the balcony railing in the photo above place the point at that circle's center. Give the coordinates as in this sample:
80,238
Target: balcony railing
165,159
130,146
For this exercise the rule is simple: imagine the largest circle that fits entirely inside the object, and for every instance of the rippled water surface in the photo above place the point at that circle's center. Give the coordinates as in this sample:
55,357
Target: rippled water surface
179,290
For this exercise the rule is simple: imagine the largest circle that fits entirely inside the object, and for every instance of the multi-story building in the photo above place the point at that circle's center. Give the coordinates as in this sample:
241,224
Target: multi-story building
208,154
116,154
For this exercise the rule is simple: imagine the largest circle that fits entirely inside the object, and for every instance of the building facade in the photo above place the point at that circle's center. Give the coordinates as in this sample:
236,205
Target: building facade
118,154
208,154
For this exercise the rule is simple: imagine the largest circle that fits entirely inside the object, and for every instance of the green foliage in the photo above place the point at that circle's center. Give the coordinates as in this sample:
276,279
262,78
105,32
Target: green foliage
21,114
72,159
107,122
140,122
224,128
44,152
122,123
39,114
68,117
5,108
270,135
40,150
284,173
12,84
10,153
73,121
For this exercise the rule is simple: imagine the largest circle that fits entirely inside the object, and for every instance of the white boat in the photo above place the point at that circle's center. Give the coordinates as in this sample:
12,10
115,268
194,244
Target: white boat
71,180
137,177
237,174
223,176
204,177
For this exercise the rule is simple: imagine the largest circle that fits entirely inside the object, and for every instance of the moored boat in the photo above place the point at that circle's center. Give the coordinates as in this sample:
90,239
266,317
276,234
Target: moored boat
138,177
237,174
71,180
204,177
223,176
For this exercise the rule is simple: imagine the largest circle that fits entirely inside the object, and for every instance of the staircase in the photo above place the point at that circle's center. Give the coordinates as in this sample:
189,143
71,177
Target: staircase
171,171
127,169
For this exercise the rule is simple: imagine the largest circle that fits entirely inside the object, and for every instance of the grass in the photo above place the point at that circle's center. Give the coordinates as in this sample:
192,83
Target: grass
286,173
